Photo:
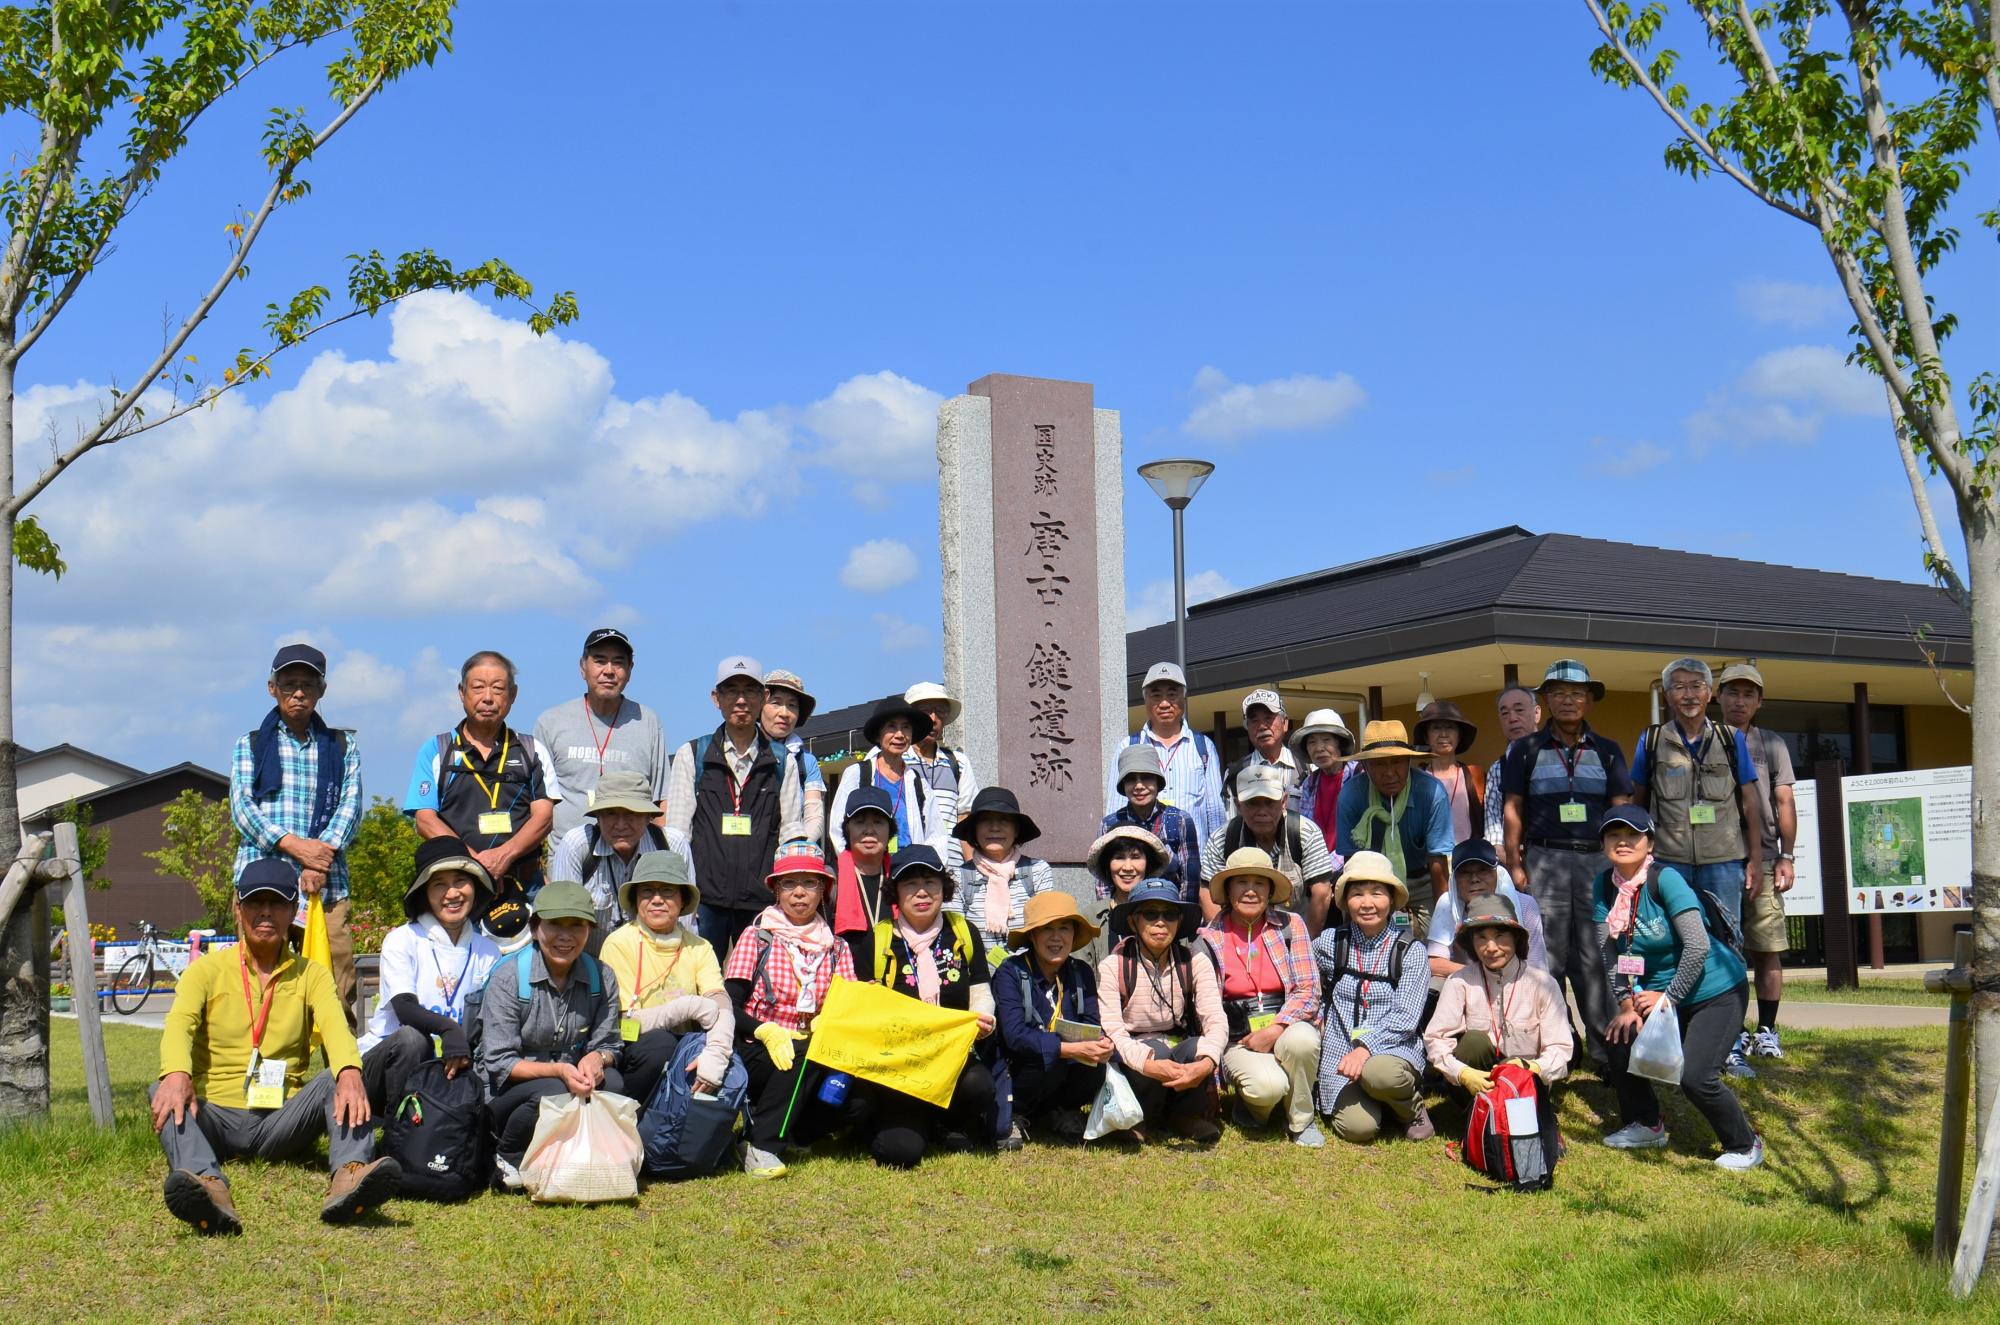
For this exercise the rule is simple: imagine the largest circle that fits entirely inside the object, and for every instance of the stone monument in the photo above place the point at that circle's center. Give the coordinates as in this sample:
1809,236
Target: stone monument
1032,536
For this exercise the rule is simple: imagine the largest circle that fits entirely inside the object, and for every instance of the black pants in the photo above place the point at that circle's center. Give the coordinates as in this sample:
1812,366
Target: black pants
1070,1084
516,1109
1708,1032
775,1094
905,1126
645,1061
721,925
1160,1103
386,1068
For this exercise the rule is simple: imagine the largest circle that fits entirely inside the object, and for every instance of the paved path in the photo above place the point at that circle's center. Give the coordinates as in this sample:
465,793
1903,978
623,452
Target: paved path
1798,1014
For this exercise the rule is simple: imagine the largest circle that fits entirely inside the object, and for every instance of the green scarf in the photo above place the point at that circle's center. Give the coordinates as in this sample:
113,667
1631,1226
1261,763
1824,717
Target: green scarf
1390,816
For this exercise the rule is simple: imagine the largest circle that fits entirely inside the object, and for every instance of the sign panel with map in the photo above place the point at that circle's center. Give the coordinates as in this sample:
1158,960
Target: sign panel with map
1909,843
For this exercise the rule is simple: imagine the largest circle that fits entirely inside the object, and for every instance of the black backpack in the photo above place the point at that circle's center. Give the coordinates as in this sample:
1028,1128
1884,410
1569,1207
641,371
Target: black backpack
439,1134
1343,964
1234,832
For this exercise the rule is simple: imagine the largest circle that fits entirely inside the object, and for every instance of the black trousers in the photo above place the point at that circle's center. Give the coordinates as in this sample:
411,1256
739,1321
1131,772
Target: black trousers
904,1127
1161,1103
1070,1084
386,1068
775,1094
645,1061
1708,1032
516,1109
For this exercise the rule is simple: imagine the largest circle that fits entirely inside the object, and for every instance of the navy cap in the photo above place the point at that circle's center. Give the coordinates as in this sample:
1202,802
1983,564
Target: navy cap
870,798
1474,851
268,874
606,635
304,655
914,858
1154,892
1631,816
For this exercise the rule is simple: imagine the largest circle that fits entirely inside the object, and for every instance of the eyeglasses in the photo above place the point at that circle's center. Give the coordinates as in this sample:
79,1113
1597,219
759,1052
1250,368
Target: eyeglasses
1687,687
1154,915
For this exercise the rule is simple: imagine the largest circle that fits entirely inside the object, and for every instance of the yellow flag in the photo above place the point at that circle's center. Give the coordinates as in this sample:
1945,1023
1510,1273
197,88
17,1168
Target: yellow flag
316,946
892,1040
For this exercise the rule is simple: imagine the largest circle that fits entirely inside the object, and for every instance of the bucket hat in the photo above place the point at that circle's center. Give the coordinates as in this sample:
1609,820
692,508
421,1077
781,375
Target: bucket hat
622,789
798,858
1568,671
1097,860
1049,908
1250,863
436,855
780,679
1444,710
565,899
997,800
1143,759
888,711
1370,867
1153,892
1321,722
930,692
669,868
1493,911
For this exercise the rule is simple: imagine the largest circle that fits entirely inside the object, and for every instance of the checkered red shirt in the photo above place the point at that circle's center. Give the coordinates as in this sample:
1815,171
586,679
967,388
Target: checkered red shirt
775,996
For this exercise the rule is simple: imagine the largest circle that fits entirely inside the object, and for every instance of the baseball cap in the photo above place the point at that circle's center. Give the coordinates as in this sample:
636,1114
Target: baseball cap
1474,851
1626,816
1260,782
1741,671
268,874
739,665
302,655
1165,671
870,798
606,635
1269,698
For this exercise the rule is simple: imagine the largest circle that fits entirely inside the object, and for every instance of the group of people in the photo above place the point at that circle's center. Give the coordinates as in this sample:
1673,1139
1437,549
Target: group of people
1313,932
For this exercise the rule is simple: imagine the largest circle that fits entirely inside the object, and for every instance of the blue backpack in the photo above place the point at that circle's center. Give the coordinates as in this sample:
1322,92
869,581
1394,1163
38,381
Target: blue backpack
689,1138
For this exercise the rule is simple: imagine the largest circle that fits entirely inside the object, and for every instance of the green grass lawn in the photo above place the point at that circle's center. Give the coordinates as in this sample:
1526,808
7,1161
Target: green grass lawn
1834,1228
1901,992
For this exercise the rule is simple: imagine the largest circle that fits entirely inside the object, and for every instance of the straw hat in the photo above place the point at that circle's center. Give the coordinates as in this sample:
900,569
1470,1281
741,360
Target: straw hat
1049,908
1157,856
1370,867
1385,738
1250,863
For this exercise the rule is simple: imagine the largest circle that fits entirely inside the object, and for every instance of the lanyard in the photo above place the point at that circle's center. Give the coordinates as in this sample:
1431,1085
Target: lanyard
257,1019
1568,755
1251,947
1160,986
499,769
640,991
875,906
1169,753
1366,977
609,729
1055,1001
1499,1008
450,990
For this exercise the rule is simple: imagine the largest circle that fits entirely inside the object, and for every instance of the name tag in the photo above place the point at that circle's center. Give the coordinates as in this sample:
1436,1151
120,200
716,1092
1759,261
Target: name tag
1263,1019
628,1029
736,825
1521,1120
267,1083
1573,812
495,821
1631,964
1401,920
1168,801
1701,814
590,799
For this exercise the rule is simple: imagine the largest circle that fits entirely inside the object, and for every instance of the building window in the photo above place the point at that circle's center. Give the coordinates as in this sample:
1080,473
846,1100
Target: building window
1826,731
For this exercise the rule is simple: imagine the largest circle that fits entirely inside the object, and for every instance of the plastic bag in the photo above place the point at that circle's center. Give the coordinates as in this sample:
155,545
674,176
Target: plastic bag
1656,1050
584,1150
1116,1109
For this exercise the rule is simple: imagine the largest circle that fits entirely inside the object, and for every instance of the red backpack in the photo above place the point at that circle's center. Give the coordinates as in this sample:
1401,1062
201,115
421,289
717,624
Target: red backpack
1503,1137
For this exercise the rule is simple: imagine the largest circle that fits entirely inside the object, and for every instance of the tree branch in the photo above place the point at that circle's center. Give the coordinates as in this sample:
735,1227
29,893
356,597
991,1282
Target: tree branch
120,407
1929,655
1708,149
1936,557
1990,20
29,219
1824,183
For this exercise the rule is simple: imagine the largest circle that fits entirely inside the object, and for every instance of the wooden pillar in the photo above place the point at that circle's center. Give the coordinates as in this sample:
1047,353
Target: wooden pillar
1840,960
1374,703
1220,732
1510,675
1864,762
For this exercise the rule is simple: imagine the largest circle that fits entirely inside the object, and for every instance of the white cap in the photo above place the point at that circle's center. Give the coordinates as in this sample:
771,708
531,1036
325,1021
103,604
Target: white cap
739,665
930,692
1260,782
1166,671
1268,698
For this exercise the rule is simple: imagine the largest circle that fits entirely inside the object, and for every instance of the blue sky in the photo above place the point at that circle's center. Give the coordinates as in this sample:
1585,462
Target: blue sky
1402,272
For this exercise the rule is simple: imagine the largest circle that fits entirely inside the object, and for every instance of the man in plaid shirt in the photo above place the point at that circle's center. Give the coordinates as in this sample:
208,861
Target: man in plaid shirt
295,792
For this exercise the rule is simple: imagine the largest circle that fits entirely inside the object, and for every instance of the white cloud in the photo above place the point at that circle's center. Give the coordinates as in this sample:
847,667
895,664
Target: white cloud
1230,411
1155,603
1616,460
877,425
500,556
897,635
1787,395
879,565
1790,303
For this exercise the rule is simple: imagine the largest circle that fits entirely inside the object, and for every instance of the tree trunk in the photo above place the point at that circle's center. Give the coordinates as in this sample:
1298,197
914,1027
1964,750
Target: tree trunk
1982,549
24,943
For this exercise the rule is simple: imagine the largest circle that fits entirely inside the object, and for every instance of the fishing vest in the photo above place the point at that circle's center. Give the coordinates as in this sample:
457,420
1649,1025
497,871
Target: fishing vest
1677,783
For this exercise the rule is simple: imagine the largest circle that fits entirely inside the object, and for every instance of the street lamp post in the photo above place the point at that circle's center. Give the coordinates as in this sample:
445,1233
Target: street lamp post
1176,482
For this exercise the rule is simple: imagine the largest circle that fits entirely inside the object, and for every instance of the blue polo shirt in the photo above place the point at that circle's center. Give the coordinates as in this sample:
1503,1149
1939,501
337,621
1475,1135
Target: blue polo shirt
1425,825
1545,774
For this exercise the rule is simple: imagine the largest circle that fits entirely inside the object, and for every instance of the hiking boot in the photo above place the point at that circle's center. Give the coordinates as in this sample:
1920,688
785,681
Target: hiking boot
1068,1123
1240,1116
761,1163
1736,1065
1637,1136
1311,1137
202,1200
1017,1136
358,1188
1419,1127
1737,1161
1201,1131
1764,1044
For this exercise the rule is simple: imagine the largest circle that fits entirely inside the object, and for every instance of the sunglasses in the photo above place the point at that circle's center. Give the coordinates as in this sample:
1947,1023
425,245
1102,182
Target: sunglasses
1156,914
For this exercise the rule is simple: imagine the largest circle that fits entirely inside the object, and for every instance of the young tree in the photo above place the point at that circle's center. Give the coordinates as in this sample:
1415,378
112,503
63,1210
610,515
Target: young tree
1857,119
108,93
381,861
201,848
92,844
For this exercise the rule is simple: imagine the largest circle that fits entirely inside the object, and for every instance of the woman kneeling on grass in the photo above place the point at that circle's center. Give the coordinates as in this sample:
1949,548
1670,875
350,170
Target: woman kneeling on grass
1269,996
1656,945
778,975
561,1037
921,951
1162,1006
668,976
1046,1003
1497,1008
1377,980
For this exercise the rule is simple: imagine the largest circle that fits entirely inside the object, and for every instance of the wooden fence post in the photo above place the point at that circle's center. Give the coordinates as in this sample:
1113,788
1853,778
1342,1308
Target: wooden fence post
83,976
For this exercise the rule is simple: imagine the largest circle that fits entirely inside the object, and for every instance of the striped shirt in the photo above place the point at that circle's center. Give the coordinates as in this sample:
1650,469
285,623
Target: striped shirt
1031,876
263,823
1391,1017
1194,776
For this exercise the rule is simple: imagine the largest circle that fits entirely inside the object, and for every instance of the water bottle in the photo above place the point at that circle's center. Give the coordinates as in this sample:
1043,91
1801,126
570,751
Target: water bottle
833,1090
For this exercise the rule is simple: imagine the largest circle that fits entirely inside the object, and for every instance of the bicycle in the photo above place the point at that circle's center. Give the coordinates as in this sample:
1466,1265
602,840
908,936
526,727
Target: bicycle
133,984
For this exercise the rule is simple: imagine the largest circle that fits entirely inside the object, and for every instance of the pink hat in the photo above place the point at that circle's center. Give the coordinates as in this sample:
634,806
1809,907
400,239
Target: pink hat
799,859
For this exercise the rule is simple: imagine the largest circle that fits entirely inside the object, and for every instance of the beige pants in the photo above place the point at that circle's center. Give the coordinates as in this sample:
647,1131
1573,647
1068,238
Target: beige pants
1283,1076
340,944
1388,1085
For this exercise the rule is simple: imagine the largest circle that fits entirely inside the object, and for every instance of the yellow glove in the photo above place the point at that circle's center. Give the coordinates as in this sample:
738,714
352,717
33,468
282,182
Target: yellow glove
777,1042
1528,1063
1474,1080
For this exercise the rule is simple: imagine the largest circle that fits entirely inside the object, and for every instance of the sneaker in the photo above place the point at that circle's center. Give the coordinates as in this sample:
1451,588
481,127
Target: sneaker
510,1177
1736,1161
1742,1044
202,1200
1201,1131
1017,1136
1419,1127
358,1188
761,1163
1736,1065
1765,1043
1311,1138
1637,1136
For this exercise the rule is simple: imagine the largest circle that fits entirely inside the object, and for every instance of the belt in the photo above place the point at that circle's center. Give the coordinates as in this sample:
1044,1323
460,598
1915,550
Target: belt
1582,844
1255,1003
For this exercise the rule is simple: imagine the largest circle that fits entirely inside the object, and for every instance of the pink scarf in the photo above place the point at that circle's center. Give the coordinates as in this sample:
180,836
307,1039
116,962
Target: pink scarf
921,953
1625,911
814,936
999,875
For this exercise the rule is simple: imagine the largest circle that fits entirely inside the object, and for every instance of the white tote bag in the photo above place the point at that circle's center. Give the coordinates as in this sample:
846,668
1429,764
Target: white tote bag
1656,1051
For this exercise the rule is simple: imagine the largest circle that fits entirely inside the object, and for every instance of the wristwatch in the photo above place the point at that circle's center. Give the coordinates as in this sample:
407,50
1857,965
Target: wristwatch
1786,855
